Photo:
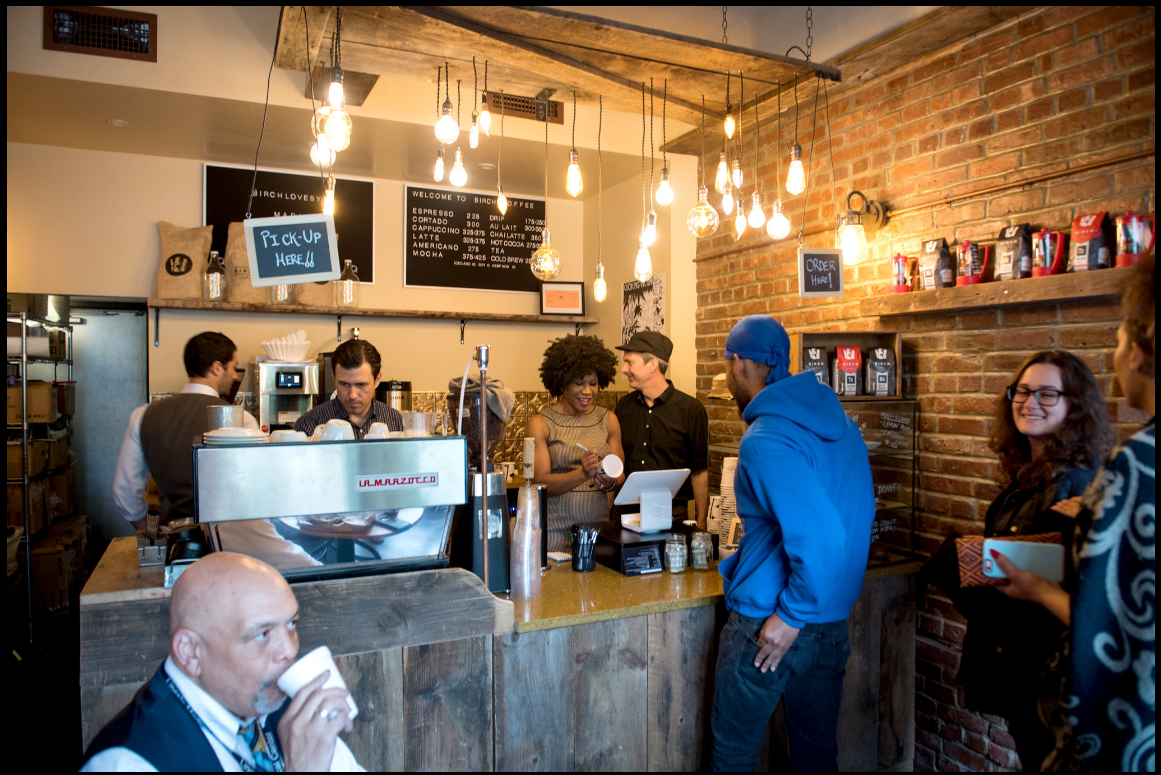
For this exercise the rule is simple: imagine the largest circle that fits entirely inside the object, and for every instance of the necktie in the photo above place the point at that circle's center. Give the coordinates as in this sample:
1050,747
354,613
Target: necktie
256,743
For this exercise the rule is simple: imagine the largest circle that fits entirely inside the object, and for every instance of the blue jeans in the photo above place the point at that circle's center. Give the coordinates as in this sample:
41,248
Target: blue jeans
809,677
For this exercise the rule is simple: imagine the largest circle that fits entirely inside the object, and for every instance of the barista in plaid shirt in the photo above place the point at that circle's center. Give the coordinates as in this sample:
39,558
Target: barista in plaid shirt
356,363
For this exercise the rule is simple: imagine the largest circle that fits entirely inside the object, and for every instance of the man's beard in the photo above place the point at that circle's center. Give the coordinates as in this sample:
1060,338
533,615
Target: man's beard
262,702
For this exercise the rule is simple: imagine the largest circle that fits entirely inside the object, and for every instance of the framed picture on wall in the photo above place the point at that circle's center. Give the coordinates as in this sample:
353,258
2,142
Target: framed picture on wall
562,298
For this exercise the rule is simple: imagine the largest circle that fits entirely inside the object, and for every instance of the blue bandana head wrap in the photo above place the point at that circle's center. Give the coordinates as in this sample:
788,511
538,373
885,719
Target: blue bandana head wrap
763,340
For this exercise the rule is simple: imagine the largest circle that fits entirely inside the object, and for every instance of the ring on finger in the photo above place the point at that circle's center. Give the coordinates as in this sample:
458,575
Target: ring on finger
328,714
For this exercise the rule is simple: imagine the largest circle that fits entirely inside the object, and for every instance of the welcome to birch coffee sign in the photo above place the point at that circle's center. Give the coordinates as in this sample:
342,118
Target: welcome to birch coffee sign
458,239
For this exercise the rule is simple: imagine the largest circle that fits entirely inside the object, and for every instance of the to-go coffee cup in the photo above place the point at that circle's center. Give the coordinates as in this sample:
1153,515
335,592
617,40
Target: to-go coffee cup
613,466
311,667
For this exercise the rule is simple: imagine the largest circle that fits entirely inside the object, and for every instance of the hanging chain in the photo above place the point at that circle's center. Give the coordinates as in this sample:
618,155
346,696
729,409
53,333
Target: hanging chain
485,75
809,25
338,55
650,143
725,40
447,81
600,173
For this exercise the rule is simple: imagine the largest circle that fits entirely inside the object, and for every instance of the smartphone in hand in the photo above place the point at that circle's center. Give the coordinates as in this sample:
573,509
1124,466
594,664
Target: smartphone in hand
1046,560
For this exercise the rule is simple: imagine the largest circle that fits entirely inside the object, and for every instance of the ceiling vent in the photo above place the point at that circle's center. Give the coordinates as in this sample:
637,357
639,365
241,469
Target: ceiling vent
525,107
106,32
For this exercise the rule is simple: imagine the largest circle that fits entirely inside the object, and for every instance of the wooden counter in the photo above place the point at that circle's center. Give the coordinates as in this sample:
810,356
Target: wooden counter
601,672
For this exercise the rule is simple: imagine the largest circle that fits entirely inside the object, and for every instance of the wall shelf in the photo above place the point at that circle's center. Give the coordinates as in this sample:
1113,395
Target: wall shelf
1088,286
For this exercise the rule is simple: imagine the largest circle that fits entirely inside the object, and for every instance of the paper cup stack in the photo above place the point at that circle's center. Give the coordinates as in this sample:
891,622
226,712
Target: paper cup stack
729,503
291,348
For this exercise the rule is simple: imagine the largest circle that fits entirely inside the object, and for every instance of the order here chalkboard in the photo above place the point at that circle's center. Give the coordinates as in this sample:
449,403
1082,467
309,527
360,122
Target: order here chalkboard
457,239
292,249
820,272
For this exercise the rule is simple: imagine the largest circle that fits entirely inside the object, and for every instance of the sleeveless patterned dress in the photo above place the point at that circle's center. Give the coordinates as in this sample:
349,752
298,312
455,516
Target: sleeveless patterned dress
585,503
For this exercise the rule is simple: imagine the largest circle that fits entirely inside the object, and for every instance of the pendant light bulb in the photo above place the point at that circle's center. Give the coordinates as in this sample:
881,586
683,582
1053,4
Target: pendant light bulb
458,176
736,173
852,240
335,94
474,134
664,194
337,127
574,185
545,262
329,196
447,131
757,217
723,177
796,178
485,116
778,227
321,153
730,124
643,266
740,220
439,166
600,292
728,200
702,220
502,202
649,236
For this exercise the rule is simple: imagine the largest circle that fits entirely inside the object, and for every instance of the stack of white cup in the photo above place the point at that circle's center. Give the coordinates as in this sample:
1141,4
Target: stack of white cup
729,503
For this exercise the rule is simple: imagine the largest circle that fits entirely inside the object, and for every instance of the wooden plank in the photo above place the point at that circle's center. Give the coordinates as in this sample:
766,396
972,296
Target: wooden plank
1088,286
356,86
375,679
610,676
294,50
534,702
858,728
682,656
101,704
897,673
299,309
447,705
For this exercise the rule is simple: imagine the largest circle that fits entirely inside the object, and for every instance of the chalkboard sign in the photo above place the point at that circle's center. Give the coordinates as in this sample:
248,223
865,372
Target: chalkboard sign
820,272
277,194
458,239
293,249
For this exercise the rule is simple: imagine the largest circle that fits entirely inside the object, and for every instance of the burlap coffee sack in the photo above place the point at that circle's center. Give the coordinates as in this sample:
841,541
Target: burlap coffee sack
238,268
183,260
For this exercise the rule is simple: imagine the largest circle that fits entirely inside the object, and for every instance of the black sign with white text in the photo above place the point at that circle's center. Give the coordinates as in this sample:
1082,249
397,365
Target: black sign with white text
820,272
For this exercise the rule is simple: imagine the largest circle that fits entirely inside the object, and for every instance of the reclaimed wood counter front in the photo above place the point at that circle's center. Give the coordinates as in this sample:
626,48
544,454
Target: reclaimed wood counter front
601,672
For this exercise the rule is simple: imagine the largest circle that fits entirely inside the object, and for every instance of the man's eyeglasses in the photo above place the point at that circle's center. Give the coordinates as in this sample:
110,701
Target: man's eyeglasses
1018,394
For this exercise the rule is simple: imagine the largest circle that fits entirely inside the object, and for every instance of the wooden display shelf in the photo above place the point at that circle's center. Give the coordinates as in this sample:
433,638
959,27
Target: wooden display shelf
1089,286
299,309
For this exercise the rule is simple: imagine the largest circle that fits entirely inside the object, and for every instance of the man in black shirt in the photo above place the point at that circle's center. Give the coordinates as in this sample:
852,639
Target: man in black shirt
661,427
356,363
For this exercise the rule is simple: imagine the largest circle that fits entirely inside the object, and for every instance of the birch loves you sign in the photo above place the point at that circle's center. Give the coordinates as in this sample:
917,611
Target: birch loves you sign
292,249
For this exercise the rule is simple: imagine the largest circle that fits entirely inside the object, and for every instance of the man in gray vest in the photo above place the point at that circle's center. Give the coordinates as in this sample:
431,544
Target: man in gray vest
159,436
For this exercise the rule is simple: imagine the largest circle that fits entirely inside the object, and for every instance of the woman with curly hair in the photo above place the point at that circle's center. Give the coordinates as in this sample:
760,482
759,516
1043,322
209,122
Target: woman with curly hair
574,434
1051,433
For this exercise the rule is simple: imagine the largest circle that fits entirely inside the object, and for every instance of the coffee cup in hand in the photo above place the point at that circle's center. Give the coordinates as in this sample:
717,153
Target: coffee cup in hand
612,466
311,667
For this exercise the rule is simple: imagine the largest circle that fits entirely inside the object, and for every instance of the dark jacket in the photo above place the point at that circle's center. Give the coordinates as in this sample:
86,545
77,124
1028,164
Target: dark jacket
1008,642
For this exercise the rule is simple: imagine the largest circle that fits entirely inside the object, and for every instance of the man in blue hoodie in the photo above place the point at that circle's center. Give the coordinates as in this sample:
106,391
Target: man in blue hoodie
804,493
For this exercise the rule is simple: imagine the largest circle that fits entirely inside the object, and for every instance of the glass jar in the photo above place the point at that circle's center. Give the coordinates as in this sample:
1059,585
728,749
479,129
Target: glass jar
214,279
347,286
701,551
676,553
280,294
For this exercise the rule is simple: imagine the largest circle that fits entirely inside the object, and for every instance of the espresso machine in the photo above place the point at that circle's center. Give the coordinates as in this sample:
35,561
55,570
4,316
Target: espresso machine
286,391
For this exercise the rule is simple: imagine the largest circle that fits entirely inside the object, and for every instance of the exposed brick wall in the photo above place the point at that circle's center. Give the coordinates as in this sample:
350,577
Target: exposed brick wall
1050,90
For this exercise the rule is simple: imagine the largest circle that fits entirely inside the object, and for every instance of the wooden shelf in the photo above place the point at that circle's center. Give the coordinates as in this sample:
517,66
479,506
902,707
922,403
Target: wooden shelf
1089,286
298,309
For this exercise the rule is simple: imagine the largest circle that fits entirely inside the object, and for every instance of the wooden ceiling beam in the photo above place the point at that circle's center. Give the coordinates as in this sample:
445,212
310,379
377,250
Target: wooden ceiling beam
294,51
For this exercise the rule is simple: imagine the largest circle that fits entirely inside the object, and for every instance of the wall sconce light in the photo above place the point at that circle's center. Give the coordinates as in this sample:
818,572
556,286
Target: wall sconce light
853,225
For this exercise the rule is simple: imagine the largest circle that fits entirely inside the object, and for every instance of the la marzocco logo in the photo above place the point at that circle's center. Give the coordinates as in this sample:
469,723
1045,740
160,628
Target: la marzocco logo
395,481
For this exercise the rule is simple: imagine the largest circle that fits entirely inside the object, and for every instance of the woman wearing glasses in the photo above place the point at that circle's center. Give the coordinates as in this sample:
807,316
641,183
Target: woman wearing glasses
1051,434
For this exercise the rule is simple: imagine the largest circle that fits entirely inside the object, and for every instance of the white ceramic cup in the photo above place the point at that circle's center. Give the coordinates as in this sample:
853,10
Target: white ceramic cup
311,667
276,436
379,430
337,430
613,466
291,436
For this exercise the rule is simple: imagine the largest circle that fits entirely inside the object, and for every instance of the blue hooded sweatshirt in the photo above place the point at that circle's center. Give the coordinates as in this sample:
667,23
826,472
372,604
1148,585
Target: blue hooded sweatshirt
804,493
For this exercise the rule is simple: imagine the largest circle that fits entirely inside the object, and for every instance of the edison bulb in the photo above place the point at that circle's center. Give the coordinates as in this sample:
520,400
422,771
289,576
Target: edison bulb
796,178
600,292
702,220
730,124
474,134
664,195
335,95
649,236
329,196
458,176
736,174
439,166
321,153
502,202
337,126
852,240
722,179
740,221
545,262
485,116
757,217
447,131
574,185
778,227
728,201
643,266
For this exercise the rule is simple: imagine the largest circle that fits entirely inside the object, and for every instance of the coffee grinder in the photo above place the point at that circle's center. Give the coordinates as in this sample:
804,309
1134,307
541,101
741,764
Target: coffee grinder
483,553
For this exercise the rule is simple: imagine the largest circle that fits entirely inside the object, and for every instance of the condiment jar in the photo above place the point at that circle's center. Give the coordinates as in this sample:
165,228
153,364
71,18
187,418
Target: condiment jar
676,553
214,279
701,551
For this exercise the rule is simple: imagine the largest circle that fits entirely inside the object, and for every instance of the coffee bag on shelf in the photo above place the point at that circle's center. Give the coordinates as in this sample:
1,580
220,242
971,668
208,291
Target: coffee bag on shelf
1014,252
936,265
183,260
814,359
320,294
848,371
238,287
1093,242
880,372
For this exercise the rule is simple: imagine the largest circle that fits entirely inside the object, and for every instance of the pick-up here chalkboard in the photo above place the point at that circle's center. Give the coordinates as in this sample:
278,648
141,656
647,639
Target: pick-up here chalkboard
457,239
292,249
820,272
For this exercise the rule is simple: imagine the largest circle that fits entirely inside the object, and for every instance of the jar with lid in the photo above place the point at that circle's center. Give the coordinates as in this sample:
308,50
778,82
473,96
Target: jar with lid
676,553
214,279
701,551
347,286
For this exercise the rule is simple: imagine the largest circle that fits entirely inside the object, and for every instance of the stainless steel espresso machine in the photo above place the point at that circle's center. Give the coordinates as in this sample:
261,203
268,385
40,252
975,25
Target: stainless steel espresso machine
286,391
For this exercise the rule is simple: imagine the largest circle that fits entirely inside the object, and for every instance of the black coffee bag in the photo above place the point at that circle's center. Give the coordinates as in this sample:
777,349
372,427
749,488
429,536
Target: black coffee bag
814,359
1014,252
880,372
936,265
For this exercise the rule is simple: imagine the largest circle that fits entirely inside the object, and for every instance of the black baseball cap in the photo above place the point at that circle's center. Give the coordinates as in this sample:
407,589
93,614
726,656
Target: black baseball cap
655,343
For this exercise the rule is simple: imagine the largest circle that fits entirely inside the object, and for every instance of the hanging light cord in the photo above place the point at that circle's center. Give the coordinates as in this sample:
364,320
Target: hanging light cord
457,103
500,153
664,112
574,119
438,84
650,143
475,85
642,156
741,116
830,142
545,175
338,37
778,145
810,158
701,159
757,142
262,131
796,107
600,173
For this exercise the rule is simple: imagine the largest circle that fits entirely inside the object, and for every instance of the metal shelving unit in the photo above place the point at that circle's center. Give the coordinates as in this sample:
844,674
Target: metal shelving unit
24,360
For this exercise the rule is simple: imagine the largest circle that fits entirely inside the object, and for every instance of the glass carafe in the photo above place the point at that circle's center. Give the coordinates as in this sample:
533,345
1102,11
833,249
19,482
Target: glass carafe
347,286
214,279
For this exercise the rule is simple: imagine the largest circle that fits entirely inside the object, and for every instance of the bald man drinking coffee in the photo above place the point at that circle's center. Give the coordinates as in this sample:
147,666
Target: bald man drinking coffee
214,704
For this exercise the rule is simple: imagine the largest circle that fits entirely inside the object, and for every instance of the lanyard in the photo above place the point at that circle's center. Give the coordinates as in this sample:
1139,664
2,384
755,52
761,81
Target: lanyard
268,736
